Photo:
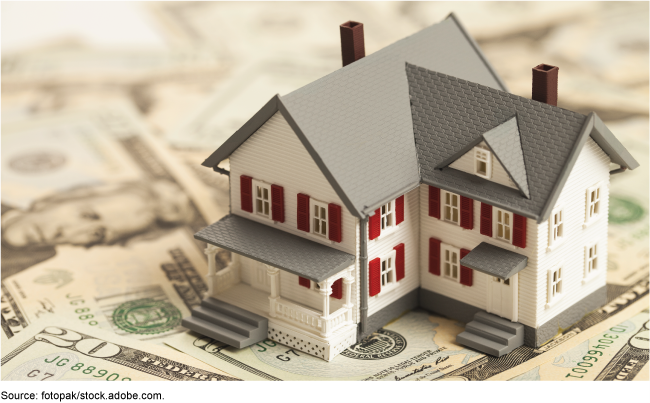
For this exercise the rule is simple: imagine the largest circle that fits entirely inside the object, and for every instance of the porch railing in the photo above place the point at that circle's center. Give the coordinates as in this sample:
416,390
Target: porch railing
309,319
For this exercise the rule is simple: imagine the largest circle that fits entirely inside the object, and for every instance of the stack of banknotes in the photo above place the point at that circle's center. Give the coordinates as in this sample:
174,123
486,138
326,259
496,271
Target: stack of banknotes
102,189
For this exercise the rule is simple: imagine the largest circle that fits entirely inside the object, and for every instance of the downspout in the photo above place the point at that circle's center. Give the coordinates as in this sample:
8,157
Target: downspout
363,278
620,170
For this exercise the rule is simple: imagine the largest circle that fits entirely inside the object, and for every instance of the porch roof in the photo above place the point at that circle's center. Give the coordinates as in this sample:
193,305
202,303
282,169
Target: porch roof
495,261
275,247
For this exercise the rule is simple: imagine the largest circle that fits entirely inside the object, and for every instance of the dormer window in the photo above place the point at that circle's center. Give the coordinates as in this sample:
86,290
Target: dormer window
482,163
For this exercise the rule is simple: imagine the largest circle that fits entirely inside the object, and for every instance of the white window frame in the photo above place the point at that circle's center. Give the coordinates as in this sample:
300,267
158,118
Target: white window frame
264,186
387,216
484,155
446,205
506,227
446,258
387,268
589,216
591,262
556,228
555,285
323,207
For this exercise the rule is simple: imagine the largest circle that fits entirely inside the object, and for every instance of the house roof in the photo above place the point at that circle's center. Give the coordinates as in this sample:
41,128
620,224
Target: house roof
381,125
275,247
495,261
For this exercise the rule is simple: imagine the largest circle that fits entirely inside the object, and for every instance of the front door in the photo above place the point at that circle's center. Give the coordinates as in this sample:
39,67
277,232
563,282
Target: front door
502,297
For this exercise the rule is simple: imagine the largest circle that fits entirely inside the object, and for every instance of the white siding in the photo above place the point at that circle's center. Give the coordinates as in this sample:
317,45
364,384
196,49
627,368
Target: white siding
407,233
591,167
454,235
275,155
499,174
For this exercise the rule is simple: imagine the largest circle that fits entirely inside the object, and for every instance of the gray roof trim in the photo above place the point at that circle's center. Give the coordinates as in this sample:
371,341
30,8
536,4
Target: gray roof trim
478,51
611,145
276,247
317,159
369,211
244,132
568,166
494,261
510,154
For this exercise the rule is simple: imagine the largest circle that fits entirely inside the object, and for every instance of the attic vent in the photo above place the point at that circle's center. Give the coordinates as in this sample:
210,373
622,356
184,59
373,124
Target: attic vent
545,84
352,45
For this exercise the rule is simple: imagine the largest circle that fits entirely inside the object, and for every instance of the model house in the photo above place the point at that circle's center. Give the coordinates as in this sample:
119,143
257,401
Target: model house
411,177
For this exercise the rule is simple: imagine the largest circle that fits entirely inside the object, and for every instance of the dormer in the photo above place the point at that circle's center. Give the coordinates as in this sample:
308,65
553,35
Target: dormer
497,157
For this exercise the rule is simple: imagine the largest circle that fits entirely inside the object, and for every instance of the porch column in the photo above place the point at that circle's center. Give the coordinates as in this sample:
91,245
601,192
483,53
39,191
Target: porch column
347,292
325,292
274,274
211,252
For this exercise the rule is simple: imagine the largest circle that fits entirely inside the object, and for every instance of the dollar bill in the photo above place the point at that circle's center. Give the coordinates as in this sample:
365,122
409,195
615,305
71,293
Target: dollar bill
56,349
618,353
96,213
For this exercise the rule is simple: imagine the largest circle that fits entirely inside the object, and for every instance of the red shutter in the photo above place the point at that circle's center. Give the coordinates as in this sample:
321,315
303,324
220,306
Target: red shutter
519,231
277,203
303,212
399,261
434,256
246,188
466,212
466,274
399,209
303,281
374,225
434,202
374,277
334,221
337,289
486,219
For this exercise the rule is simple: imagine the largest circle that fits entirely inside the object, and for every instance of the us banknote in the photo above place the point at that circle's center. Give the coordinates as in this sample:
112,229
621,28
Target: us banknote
56,349
98,218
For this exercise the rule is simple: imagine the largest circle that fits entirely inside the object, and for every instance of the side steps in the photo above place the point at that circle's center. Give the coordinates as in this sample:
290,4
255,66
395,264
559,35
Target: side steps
227,323
492,335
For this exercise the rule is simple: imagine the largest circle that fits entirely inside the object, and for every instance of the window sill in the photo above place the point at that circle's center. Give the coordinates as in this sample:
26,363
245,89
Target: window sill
593,275
387,289
551,304
555,245
591,221
387,232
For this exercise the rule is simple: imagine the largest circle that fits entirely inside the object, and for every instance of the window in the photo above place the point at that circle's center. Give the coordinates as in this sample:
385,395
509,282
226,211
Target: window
503,225
450,208
593,203
554,285
591,260
388,269
387,216
556,227
482,162
262,198
450,262
318,217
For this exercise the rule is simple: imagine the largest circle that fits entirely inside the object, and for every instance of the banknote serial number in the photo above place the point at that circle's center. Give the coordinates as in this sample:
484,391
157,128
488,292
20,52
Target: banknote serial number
79,367
592,355
77,300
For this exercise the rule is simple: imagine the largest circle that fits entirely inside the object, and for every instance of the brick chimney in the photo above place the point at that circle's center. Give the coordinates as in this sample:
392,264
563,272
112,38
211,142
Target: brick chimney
352,47
545,84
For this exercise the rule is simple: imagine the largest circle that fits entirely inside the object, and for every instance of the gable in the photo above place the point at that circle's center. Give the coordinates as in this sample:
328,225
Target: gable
467,163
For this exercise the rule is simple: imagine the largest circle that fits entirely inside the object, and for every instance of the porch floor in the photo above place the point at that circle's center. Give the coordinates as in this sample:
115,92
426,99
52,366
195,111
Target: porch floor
248,298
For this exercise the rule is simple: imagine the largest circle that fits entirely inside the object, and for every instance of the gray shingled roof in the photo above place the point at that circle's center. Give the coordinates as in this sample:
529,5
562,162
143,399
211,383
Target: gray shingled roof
505,142
356,122
275,247
495,261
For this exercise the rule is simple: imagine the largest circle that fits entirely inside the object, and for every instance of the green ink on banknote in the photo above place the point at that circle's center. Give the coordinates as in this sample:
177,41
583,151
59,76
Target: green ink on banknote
622,211
147,316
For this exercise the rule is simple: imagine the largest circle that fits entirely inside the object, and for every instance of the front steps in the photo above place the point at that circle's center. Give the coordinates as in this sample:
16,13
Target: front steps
227,323
492,335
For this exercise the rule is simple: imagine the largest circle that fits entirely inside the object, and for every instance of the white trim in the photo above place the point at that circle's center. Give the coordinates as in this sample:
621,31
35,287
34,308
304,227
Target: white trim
449,207
556,228
262,200
590,274
593,210
555,285
483,155
447,264
507,222
388,262
320,222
